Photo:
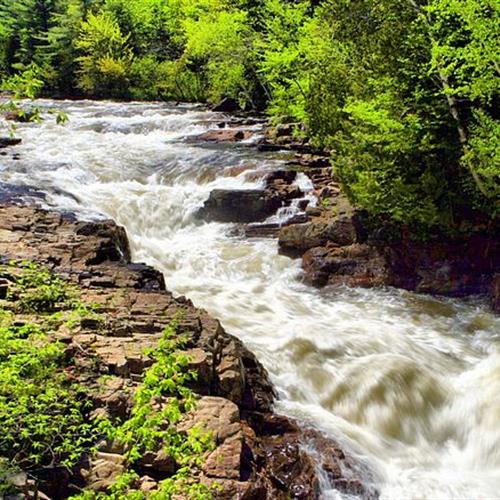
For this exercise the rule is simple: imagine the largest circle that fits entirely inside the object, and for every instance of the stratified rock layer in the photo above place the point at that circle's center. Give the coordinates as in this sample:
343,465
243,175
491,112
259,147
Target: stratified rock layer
257,456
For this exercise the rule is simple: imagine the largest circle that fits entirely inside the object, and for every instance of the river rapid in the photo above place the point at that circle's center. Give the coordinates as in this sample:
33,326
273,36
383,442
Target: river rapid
408,384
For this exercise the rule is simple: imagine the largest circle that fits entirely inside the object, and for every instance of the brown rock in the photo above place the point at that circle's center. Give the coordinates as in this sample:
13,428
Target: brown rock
148,484
297,238
104,470
225,135
216,415
202,363
224,462
353,265
159,461
244,205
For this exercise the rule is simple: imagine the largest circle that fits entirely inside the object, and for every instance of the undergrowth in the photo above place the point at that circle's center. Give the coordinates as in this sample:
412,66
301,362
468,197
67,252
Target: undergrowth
159,403
45,416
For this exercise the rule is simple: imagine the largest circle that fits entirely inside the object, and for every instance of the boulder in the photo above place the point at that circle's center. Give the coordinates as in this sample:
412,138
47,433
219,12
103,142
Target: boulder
222,136
298,238
9,141
244,205
227,105
353,265
290,458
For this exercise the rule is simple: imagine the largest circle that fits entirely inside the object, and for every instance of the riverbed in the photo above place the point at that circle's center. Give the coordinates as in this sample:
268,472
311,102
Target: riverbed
408,384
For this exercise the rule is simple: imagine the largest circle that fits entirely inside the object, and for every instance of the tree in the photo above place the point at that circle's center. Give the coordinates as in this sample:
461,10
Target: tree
106,57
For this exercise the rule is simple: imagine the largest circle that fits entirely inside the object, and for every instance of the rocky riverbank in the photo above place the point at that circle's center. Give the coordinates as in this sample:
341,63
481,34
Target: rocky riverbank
257,454
340,245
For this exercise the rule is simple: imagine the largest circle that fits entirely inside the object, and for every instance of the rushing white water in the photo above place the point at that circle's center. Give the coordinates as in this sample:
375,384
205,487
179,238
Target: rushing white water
409,384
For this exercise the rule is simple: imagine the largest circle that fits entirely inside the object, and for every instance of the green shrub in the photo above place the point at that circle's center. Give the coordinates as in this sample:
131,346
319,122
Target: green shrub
39,290
159,404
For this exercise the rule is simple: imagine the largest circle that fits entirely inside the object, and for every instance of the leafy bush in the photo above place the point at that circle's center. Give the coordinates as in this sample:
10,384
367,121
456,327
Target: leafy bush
44,416
159,404
106,57
39,290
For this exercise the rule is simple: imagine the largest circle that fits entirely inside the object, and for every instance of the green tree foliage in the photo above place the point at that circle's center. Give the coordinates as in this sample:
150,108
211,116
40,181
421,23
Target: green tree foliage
106,56
403,93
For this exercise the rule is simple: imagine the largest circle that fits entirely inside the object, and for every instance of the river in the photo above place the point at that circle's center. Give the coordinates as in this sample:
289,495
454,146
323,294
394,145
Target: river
408,384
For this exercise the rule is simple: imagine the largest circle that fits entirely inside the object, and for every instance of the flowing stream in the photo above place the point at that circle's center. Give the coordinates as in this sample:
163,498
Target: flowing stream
408,384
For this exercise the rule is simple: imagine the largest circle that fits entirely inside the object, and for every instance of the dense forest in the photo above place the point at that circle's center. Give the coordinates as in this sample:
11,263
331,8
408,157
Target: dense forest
404,94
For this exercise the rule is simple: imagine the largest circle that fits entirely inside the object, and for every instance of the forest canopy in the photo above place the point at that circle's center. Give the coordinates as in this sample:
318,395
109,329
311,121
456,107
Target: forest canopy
404,94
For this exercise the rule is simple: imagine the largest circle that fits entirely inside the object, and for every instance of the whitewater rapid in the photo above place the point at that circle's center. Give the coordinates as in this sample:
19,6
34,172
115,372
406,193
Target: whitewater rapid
408,384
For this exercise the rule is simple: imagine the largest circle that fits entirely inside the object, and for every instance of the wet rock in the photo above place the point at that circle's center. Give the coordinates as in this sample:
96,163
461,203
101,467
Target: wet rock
353,265
227,105
9,141
289,457
245,205
272,229
298,238
114,244
237,170
444,265
281,183
286,176
290,468
265,146
223,136
21,116
495,294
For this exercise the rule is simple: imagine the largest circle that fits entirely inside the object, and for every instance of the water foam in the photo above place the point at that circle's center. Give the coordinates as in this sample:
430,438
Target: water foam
409,384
